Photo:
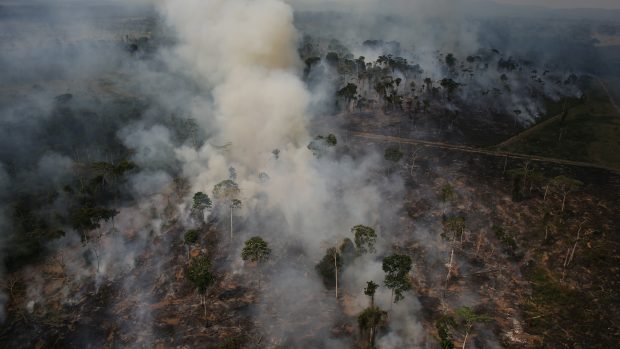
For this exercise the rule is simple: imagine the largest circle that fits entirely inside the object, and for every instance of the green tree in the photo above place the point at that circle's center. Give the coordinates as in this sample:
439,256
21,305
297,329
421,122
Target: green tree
365,238
397,268
190,238
443,326
199,273
328,267
228,191
320,144
369,320
470,318
87,218
84,220
200,203
256,250
348,93
371,288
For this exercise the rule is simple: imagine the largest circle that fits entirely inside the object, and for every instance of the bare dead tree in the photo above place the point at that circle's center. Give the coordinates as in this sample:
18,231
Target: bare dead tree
572,254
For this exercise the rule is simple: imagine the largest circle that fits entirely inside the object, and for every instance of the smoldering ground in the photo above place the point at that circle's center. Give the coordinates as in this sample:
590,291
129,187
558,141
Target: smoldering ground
223,90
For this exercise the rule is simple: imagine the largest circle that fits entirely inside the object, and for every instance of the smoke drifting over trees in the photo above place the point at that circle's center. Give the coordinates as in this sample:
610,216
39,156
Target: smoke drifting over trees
119,123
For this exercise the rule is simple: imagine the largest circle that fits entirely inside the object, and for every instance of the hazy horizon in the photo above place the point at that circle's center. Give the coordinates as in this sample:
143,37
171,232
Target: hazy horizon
559,4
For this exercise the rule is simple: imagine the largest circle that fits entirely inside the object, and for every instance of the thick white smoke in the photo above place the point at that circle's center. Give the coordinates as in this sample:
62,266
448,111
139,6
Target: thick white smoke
244,53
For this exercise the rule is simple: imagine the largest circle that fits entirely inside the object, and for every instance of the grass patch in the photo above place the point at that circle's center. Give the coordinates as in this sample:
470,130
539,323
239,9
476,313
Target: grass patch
589,133
551,303
566,317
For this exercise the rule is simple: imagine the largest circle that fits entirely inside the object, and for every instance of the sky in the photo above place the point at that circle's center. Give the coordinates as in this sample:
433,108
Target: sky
554,4
610,4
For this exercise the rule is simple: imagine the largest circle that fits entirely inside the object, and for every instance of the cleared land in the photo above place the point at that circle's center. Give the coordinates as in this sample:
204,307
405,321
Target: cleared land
588,132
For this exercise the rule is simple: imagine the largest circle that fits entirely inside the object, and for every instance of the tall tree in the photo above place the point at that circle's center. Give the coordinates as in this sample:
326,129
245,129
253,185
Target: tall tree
234,204
369,320
228,191
200,203
199,273
348,93
328,268
397,268
371,288
190,238
365,239
256,250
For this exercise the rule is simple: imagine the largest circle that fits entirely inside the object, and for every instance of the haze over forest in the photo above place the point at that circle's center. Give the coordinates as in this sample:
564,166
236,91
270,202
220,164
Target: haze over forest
309,174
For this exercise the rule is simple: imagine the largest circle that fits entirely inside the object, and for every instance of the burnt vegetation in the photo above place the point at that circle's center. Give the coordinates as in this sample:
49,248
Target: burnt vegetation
497,224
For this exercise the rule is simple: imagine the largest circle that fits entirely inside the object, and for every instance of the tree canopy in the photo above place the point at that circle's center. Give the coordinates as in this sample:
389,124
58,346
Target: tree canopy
365,238
256,250
201,202
396,268
226,189
199,273
191,236
326,268
371,288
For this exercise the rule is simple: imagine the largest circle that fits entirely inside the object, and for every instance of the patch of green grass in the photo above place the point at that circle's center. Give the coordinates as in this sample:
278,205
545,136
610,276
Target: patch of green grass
551,302
548,292
554,108
569,317
590,133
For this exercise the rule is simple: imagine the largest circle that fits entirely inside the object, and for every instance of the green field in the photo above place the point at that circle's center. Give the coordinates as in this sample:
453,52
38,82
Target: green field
589,133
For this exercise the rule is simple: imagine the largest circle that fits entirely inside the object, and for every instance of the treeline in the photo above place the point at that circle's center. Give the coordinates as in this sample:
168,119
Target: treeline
393,82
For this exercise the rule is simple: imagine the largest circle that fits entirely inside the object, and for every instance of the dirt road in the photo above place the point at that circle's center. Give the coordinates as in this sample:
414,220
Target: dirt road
474,150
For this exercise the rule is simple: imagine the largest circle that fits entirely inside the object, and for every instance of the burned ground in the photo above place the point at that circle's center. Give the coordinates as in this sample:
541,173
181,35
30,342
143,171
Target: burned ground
517,277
